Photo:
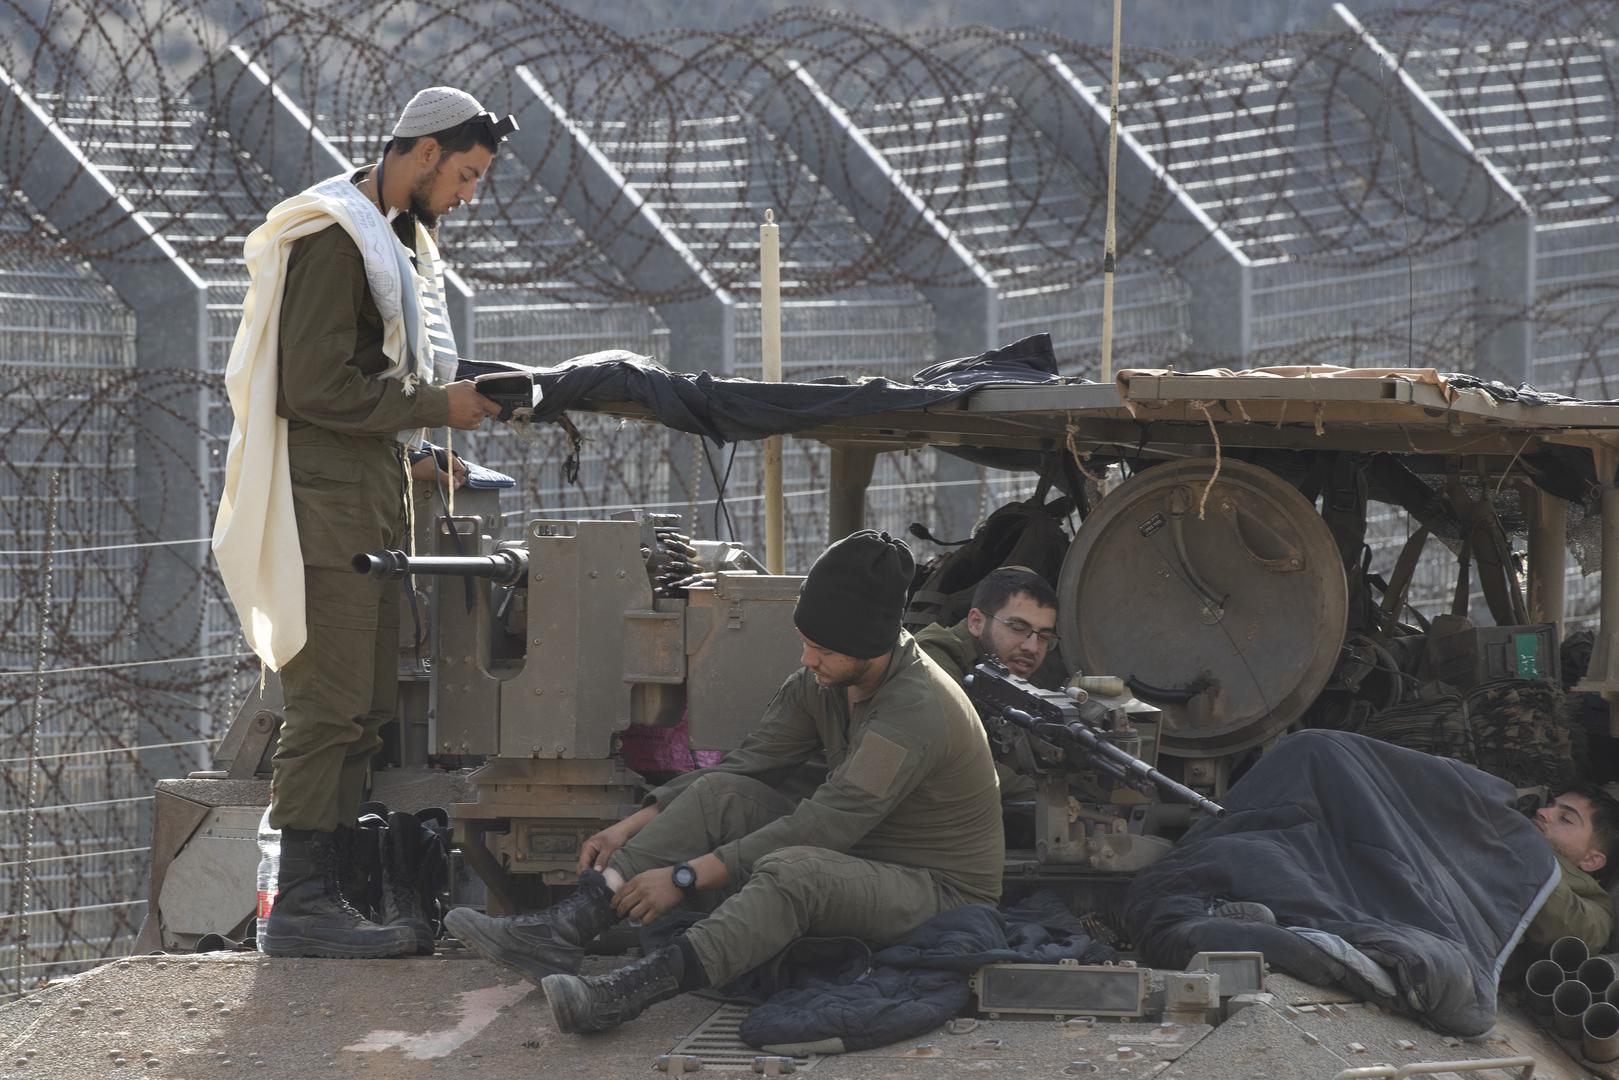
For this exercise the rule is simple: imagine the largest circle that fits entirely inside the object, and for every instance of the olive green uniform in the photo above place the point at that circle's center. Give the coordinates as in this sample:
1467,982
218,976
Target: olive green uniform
348,481
1578,907
957,651
953,648
905,821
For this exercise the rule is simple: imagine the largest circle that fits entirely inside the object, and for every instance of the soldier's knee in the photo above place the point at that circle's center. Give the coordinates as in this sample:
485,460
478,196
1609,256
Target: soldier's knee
316,731
792,863
723,783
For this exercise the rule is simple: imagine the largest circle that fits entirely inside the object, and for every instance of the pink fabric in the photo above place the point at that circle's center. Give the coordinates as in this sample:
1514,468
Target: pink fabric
664,750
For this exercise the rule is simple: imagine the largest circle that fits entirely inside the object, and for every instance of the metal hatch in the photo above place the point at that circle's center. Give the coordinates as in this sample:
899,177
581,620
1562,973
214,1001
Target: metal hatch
1224,603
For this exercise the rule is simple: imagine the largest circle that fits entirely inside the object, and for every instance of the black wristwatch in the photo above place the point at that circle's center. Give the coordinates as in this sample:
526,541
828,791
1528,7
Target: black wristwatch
686,878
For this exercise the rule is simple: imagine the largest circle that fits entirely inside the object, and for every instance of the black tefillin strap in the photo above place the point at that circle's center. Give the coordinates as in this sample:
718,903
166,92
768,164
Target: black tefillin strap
498,128
455,536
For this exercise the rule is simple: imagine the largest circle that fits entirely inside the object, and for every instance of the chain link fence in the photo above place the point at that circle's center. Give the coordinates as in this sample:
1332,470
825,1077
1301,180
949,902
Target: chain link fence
1429,188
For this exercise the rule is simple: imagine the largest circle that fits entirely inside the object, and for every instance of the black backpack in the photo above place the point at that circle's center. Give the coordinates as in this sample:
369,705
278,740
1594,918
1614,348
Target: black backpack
1028,533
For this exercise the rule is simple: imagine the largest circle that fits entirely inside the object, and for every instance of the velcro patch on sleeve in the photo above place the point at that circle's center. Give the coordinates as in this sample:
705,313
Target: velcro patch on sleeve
876,764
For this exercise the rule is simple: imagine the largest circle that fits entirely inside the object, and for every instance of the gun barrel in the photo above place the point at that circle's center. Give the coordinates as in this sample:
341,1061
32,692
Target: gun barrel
508,566
1094,741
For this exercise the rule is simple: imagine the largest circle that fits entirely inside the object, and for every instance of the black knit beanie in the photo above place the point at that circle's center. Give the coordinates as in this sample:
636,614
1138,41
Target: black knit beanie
854,595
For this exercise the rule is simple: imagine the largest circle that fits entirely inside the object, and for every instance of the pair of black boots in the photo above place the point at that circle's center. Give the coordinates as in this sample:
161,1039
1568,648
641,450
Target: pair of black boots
366,891
548,948
398,868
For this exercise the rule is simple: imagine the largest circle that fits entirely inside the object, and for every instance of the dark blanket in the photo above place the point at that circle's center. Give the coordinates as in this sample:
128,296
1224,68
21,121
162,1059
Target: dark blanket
730,410
834,995
1404,878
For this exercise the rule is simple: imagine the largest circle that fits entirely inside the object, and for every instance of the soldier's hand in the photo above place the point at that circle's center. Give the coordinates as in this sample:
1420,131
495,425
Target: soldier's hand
595,852
426,471
468,407
648,895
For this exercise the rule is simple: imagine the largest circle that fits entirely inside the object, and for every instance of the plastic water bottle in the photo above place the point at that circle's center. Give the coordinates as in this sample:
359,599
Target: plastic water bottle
269,870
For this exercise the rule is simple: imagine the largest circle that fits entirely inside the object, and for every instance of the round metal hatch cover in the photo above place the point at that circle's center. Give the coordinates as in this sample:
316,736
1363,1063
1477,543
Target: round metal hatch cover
1230,622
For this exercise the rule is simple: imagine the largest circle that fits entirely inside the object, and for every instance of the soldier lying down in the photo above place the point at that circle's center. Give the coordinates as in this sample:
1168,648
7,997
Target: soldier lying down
1404,878
1582,827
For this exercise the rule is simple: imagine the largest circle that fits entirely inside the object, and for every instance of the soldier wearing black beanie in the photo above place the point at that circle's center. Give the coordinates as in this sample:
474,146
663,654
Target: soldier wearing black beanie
901,820
854,596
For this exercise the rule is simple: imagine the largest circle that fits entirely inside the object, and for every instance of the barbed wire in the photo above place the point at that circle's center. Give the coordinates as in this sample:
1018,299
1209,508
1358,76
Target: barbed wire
1360,192
676,106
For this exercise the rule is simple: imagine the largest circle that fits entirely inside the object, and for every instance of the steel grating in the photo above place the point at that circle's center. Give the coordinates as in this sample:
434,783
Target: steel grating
717,1042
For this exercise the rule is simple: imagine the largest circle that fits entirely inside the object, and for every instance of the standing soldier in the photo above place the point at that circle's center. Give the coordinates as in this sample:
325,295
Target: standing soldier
343,356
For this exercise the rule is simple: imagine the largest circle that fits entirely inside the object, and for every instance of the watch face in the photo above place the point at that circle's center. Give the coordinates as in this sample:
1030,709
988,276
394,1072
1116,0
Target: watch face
685,876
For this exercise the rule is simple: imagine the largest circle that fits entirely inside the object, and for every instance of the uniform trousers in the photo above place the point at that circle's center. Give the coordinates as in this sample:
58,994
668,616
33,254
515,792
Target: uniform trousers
343,685
793,892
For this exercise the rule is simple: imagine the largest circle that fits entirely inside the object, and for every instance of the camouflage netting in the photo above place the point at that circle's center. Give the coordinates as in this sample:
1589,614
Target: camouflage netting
1520,731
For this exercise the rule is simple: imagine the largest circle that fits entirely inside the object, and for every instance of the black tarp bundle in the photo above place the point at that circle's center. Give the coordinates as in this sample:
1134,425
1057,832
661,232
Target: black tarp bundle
1404,878
733,410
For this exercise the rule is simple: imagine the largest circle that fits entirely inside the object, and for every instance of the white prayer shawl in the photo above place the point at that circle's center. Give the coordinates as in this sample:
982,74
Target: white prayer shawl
255,538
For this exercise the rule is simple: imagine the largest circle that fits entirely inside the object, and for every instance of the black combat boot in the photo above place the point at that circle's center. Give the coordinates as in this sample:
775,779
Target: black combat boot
545,943
581,1005
371,827
401,856
359,863
434,878
350,880
310,916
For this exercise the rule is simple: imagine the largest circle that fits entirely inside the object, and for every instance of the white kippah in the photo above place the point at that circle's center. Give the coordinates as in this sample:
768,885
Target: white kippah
436,109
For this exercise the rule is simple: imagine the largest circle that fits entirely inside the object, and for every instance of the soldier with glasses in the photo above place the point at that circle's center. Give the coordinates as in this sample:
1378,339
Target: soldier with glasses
1014,619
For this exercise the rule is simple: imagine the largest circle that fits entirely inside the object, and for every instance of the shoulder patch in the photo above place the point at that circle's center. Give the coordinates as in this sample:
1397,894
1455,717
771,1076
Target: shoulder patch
876,764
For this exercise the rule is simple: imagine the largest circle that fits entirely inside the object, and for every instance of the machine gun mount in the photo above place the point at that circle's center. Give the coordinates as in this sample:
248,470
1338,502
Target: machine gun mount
1099,800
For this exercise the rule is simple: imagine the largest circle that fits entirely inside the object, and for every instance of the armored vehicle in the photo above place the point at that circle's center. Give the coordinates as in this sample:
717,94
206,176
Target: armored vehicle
1217,598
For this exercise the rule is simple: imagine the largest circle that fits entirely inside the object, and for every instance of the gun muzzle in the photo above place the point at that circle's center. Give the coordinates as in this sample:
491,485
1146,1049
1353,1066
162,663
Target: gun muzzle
387,564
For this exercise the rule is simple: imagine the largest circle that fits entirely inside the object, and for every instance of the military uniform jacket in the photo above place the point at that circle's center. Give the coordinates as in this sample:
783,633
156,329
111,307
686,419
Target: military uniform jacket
953,648
910,779
1578,907
957,652
342,422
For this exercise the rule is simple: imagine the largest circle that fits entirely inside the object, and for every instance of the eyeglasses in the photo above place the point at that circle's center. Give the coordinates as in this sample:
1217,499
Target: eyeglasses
1024,631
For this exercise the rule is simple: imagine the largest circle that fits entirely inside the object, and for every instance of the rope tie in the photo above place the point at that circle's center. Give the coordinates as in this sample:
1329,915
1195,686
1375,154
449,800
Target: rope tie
1079,459
1214,433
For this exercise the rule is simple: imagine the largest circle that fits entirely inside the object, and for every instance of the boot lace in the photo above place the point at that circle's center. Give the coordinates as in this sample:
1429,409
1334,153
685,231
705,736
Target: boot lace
332,870
568,910
631,979
404,901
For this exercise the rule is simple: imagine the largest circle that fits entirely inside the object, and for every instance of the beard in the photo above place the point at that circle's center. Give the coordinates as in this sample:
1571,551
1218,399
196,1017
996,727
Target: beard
419,192
986,643
853,678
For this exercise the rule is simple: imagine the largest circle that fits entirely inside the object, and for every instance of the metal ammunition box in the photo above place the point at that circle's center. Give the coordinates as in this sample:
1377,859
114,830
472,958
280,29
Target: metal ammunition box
1061,989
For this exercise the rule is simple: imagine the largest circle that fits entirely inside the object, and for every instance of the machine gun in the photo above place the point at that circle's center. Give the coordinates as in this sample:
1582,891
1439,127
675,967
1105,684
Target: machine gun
552,651
1088,730
672,562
